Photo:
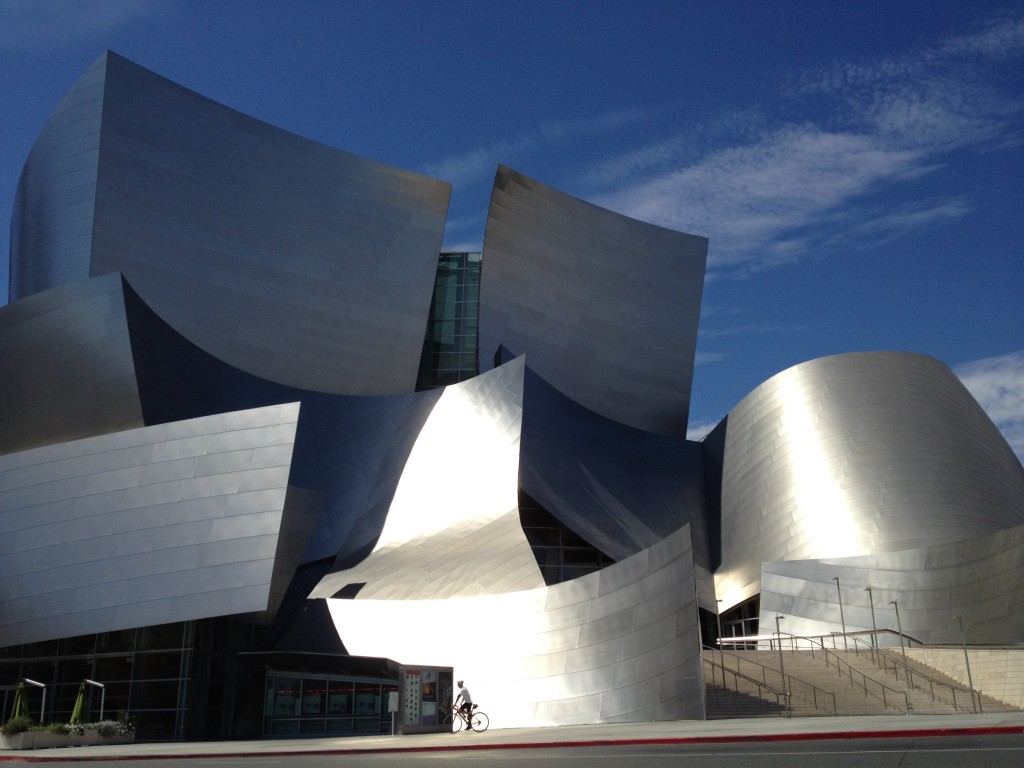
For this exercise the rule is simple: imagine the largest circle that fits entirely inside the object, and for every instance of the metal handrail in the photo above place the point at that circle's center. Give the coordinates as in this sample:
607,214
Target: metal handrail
815,690
864,679
909,676
761,687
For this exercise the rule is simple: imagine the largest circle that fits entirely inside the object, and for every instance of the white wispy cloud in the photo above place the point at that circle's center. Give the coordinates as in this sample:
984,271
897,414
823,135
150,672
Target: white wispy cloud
699,430
704,358
798,183
753,195
997,383
893,222
481,162
774,184
42,26
996,37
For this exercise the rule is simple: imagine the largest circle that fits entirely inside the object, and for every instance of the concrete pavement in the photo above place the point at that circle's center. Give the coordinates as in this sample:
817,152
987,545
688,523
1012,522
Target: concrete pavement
683,731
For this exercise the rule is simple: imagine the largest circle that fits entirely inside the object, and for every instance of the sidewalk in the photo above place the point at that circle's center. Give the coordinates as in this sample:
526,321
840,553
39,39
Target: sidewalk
683,731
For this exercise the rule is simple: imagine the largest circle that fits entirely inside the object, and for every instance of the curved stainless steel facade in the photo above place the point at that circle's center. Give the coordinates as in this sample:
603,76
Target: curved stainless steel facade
148,526
606,307
55,203
299,263
442,538
620,488
621,645
978,579
75,374
207,411
858,454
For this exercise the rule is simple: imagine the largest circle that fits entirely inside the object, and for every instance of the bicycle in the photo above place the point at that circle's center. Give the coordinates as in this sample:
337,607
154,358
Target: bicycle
478,720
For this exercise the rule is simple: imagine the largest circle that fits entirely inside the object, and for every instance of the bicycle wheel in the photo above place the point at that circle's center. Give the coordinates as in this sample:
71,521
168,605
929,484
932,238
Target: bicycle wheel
457,723
480,721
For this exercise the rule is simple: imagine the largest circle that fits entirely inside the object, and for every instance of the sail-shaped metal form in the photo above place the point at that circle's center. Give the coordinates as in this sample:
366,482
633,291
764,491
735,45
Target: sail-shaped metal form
606,307
147,526
291,260
620,645
977,579
209,416
859,454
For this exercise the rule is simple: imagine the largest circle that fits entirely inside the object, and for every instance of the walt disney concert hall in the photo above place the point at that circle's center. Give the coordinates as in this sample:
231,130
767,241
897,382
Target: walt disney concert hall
271,460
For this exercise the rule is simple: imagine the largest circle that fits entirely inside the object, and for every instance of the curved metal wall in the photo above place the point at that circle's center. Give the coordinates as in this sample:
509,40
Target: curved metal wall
619,488
619,645
93,359
54,204
452,528
147,526
858,454
296,262
605,306
978,580
67,370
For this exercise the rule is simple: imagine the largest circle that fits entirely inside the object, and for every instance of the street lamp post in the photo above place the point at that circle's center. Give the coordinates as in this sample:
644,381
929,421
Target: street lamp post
42,707
103,693
842,620
967,661
874,627
721,649
782,668
899,626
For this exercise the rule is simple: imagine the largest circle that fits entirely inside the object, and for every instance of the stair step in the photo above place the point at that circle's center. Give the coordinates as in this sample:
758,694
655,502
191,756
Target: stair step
814,683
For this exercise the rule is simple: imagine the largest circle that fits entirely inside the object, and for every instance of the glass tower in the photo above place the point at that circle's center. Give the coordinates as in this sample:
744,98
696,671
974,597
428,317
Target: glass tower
450,344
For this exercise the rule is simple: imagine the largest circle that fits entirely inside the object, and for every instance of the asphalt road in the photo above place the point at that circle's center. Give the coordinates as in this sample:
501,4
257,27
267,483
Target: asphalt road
953,751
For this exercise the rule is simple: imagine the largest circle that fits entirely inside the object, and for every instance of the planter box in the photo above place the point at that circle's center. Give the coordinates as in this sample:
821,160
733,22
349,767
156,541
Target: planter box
47,740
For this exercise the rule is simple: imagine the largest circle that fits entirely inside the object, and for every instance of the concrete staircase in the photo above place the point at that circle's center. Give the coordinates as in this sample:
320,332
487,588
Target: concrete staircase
823,684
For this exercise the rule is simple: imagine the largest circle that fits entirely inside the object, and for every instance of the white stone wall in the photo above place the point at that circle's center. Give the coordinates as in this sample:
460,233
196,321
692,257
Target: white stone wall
998,673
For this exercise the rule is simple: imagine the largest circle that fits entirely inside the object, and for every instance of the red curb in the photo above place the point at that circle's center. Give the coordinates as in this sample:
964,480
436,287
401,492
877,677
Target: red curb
724,739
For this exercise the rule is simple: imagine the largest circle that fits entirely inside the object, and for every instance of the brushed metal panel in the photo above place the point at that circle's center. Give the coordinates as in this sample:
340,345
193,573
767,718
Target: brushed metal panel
54,204
300,263
528,666
153,553
74,375
605,307
441,539
857,454
314,266
621,489
978,579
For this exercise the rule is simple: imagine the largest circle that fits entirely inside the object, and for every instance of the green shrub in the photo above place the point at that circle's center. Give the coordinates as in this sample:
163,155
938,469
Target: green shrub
125,724
106,728
16,725
61,729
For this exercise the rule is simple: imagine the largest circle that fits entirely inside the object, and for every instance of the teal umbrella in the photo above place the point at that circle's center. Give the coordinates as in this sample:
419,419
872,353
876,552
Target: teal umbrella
78,713
20,708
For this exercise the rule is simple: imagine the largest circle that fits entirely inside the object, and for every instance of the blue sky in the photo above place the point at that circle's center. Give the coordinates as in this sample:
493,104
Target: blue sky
856,166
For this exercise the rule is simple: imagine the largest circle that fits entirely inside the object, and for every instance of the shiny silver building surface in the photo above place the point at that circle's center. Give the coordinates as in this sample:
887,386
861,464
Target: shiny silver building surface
446,539
605,307
621,645
859,454
74,374
208,416
977,579
294,261
620,488
148,526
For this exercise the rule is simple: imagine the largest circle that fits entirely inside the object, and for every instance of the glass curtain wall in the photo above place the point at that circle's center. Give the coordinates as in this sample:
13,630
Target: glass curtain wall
561,554
145,673
450,343
319,705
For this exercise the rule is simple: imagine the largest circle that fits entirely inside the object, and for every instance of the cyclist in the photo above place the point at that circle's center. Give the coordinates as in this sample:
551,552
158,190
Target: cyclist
467,704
